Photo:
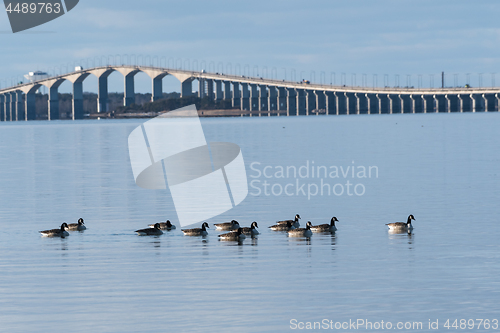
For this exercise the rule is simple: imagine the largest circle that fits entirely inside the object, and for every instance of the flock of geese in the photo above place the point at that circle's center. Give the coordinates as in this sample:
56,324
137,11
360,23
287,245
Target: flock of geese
236,232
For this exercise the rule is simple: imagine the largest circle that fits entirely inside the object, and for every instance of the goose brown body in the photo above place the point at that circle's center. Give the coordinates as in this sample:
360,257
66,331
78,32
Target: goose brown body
233,225
282,227
197,231
325,227
402,226
80,226
301,232
60,232
155,231
164,225
233,235
252,231
295,222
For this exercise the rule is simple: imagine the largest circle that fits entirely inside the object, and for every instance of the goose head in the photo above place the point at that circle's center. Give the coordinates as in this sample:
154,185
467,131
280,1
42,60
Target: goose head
297,217
80,221
254,225
169,224
333,220
308,225
157,226
64,226
411,217
234,222
204,226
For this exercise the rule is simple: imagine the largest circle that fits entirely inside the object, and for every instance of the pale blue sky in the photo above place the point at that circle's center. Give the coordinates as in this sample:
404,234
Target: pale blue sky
356,36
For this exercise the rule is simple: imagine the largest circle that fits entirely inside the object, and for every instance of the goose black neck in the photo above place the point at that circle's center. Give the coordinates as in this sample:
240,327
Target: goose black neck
409,220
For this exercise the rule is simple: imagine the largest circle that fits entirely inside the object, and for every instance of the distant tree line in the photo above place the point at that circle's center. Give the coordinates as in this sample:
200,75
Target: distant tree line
169,101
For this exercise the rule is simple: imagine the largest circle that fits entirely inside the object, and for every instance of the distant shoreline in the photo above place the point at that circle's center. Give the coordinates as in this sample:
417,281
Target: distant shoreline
201,113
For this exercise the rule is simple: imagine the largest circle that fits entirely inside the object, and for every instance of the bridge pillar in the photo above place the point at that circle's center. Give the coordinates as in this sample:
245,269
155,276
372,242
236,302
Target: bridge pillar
440,101
282,99
489,102
263,98
497,96
77,102
19,106
30,105
210,89
245,97
477,103
466,103
7,105
428,101
129,89
310,101
453,102
1,107
102,89
53,112
291,101
157,88
13,106
448,103
340,103
187,87
218,90
417,103
301,101
373,103
227,90
329,102
272,99
370,105
379,103
254,97
320,101
236,95
12,109
391,104
361,103
406,103
351,103
383,103
77,112
201,88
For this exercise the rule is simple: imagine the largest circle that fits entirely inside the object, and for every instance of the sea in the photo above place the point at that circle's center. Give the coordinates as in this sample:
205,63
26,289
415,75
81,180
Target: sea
366,170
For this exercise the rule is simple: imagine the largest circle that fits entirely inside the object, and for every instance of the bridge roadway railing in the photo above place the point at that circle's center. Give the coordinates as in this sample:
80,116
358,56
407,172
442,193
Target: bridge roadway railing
262,96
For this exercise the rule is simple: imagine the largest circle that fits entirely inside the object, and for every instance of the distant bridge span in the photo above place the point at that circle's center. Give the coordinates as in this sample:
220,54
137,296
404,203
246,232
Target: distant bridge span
250,93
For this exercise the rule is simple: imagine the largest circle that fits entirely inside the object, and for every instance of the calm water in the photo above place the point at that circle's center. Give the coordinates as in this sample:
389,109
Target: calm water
442,168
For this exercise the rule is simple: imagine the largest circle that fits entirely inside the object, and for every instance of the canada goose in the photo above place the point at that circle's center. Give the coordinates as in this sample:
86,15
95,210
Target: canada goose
233,225
61,232
301,232
251,231
164,225
294,222
197,231
155,231
77,226
325,227
282,227
233,235
401,226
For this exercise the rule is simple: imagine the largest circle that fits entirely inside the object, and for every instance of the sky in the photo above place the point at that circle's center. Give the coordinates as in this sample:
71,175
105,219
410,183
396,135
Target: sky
358,40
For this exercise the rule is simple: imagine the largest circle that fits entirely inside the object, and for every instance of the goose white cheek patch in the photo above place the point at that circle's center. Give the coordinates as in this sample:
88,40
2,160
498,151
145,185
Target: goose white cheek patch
205,180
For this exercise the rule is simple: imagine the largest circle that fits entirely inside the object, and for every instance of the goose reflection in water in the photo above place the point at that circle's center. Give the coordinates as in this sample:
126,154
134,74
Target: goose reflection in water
402,234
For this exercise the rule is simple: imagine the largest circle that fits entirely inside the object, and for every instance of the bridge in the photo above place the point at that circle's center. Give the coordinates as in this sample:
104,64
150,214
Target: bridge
260,95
